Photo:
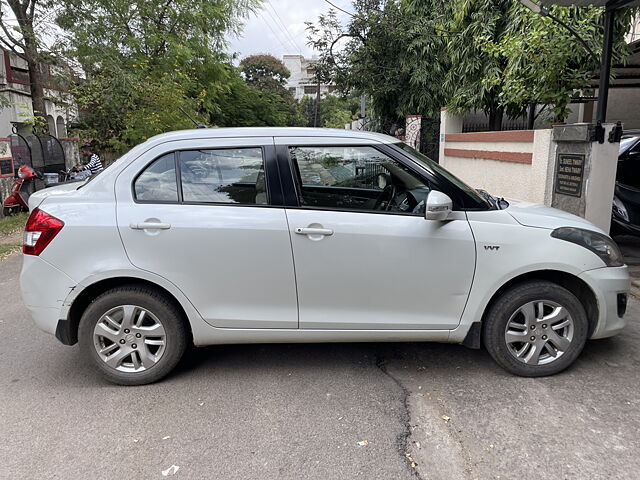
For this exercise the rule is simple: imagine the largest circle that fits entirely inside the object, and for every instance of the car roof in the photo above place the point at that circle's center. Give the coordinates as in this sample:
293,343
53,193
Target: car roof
271,132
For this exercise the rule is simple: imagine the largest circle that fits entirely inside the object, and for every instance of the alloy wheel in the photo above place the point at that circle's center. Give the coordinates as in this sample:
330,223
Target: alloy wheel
539,332
129,338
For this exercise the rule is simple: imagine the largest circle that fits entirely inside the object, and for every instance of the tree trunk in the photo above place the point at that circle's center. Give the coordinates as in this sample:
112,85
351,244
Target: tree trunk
531,120
495,119
36,83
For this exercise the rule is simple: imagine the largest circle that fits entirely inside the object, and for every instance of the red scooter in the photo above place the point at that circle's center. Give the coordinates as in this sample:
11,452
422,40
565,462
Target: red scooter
23,187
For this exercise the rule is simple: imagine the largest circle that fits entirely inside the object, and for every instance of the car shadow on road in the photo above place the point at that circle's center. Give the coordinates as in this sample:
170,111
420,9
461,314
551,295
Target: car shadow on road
441,359
434,359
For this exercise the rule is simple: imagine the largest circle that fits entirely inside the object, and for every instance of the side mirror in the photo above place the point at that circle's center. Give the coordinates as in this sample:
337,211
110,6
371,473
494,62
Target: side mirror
438,207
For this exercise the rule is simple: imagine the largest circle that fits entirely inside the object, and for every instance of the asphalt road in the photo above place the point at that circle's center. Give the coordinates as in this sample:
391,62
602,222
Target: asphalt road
299,411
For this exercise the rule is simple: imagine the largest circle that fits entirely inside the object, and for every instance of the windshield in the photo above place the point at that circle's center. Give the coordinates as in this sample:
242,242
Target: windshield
435,167
626,143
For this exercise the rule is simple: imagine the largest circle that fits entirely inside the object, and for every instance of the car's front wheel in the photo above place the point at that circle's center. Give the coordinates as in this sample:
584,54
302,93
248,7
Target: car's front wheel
133,335
535,329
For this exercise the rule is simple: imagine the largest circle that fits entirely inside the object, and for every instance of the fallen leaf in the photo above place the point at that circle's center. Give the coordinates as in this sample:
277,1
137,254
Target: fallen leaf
445,418
363,443
172,470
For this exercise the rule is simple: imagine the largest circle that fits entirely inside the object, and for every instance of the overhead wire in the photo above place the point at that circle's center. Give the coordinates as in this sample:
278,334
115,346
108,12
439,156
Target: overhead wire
285,28
264,20
341,9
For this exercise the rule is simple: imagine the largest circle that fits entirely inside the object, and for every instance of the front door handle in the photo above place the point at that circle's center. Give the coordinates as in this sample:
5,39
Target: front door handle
150,226
314,231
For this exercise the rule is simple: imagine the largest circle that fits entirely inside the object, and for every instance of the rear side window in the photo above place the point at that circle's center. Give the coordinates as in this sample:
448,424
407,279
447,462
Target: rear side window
157,183
232,175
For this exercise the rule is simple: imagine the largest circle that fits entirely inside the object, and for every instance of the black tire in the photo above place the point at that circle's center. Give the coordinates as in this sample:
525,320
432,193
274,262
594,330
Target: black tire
165,311
7,211
498,316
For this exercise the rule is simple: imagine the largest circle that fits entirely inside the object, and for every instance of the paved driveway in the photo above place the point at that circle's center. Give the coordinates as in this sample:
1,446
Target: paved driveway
300,411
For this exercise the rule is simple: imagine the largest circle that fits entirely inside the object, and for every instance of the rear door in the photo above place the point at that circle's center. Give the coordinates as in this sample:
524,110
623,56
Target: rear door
207,215
365,256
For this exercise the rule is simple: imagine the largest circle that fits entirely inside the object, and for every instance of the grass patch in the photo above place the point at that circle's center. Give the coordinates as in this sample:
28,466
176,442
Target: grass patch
12,224
7,249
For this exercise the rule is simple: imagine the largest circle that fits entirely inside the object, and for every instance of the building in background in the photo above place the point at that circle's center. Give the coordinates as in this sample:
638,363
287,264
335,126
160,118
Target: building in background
302,80
14,87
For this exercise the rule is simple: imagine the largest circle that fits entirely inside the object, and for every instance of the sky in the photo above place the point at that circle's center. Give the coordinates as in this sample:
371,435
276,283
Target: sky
279,27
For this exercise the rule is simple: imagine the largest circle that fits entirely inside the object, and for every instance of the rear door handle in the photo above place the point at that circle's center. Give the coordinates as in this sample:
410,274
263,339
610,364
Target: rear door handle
314,231
150,226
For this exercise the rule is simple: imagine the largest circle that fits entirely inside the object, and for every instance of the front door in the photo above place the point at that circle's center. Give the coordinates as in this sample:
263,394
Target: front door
201,214
365,256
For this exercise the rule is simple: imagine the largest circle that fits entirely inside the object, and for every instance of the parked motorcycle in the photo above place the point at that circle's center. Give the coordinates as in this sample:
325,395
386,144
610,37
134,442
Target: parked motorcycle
24,186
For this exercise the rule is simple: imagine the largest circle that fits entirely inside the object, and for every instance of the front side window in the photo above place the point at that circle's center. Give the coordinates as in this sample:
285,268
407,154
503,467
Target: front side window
474,196
157,183
232,175
356,178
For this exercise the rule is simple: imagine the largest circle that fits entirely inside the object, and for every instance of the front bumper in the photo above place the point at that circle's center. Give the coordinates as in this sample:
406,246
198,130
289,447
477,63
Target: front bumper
610,285
44,289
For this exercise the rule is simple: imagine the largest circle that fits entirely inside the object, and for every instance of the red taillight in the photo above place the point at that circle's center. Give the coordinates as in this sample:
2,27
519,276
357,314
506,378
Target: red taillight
41,228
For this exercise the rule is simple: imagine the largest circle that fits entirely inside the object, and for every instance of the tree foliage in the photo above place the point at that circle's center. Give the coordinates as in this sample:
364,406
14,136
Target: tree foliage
149,64
334,111
265,72
24,41
550,72
415,56
389,51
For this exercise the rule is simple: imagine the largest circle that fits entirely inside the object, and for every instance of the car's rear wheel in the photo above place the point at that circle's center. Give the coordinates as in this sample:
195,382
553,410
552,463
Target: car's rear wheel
133,335
535,329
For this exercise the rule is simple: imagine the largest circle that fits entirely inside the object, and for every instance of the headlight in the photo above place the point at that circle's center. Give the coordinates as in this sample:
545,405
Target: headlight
598,243
619,209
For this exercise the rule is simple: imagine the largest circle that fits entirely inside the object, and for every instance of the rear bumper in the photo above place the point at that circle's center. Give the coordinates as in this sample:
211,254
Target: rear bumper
610,285
44,289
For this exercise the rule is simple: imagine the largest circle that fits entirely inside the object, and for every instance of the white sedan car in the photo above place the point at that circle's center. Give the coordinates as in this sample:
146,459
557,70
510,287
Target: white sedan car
258,235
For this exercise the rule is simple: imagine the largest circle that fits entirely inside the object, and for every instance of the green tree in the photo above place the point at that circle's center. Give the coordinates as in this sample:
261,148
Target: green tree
390,50
265,72
551,73
123,110
474,80
24,41
415,56
268,74
239,105
334,111
162,58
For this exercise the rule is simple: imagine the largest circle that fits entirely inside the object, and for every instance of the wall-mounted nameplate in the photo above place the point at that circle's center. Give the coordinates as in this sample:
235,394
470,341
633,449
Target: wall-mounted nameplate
6,167
569,174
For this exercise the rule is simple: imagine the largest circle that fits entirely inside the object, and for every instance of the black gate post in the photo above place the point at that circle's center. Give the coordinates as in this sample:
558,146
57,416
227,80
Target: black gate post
605,73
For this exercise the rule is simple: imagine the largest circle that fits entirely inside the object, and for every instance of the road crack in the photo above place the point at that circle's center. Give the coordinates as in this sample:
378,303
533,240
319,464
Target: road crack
402,440
439,451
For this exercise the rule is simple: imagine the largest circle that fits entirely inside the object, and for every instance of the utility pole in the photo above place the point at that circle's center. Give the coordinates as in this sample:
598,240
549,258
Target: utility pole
316,120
